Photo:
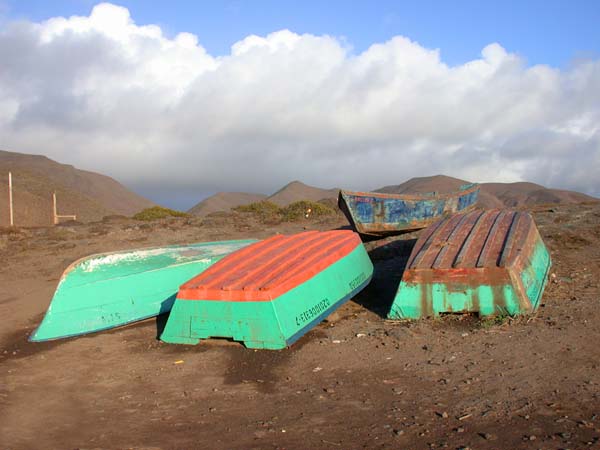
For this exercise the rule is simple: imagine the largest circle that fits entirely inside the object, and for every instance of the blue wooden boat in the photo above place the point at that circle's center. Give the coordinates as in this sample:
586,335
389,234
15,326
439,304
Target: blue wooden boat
104,291
377,214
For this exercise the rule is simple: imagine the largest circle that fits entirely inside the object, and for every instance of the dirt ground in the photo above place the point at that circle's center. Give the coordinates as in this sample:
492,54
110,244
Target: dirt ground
356,381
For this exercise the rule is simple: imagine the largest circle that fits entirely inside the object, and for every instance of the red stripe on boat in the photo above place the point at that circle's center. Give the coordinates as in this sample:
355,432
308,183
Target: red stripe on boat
269,268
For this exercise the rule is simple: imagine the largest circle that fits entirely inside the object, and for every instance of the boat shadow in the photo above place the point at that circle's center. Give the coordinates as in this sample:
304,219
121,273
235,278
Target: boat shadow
163,315
389,258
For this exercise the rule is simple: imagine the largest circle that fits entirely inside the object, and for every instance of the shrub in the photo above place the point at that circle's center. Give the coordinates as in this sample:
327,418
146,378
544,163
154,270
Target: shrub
300,210
265,210
269,211
158,212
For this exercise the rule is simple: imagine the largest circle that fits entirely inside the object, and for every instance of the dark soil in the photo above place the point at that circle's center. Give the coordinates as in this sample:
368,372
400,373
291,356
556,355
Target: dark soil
356,381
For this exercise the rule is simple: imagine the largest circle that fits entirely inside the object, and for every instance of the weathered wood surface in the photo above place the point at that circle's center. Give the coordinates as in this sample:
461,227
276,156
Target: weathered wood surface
378,214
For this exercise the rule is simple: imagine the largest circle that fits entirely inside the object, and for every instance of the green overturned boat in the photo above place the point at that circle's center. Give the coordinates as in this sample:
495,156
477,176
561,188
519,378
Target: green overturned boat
270,293
486,262
107,290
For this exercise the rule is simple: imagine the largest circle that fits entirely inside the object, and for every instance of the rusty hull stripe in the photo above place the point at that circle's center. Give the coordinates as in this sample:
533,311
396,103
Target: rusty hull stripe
445,249
430,239
510,239
440,241
464,248
489,239
422,242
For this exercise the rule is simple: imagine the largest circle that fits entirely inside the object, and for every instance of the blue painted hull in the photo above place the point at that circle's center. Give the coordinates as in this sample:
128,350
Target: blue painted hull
376,214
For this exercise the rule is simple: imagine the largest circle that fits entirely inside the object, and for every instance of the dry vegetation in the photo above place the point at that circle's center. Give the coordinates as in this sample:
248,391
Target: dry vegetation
269,212
158,212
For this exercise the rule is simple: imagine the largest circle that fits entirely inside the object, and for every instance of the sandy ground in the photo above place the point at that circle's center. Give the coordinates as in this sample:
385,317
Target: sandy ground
355,381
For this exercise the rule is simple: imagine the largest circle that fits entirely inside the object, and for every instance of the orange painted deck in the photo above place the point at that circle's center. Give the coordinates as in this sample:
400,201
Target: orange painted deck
267,269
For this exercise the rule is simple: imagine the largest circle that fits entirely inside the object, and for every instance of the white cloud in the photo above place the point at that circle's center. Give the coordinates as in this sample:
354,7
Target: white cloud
108,95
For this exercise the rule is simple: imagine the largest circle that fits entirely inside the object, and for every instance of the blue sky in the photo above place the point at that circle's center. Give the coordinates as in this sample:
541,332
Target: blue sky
550,32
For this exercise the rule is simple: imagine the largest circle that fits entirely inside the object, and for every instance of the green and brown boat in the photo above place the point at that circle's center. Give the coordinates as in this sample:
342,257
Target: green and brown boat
107,290
270,293
486,262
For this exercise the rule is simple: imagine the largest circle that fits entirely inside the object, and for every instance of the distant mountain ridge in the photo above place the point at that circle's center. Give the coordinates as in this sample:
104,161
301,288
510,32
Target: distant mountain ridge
492,195
296,191
290,193
224,201
88,195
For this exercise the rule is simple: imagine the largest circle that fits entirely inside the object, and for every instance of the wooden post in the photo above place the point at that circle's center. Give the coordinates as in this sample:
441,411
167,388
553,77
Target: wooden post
55,212
10,199
54,215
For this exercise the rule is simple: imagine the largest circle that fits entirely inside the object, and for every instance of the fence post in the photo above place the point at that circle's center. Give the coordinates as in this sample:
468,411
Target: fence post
10,199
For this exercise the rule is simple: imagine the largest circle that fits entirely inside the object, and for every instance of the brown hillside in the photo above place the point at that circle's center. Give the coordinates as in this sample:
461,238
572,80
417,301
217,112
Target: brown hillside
492,195
224,201
441,183
296,191
525,194
87,194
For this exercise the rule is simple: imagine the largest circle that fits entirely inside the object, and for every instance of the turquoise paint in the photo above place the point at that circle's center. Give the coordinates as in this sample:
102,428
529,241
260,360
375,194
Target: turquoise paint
438,298
271,324
535,275
104,291
485,300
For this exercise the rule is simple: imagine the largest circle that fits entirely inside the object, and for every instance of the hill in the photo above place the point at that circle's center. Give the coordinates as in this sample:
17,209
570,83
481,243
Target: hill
290,193
525,194
296,191
492,195
224,201
89,195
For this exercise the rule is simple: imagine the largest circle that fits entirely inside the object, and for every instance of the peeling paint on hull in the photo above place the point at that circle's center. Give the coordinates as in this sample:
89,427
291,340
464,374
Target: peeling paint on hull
372,213
104,291
486,262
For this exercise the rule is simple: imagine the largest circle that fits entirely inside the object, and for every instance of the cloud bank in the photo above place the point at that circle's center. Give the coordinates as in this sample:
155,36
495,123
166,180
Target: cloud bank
159,112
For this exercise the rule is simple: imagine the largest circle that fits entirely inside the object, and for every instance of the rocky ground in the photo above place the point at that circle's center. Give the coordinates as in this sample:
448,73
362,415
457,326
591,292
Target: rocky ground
356,381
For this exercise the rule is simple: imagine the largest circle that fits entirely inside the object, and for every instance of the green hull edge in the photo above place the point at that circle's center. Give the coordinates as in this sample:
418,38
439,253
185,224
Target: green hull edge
272,324
419,300
105,291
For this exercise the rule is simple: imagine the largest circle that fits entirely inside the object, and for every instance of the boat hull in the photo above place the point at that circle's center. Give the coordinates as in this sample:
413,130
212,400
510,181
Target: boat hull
105,291
272,321
377,214
489,263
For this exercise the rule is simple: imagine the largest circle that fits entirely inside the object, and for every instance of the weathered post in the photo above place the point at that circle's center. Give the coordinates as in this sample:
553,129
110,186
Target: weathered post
10,199
54,215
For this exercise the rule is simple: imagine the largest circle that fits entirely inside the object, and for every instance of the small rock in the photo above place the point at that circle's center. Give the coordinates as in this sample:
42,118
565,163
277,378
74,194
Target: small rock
398,432
333,317
487,436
